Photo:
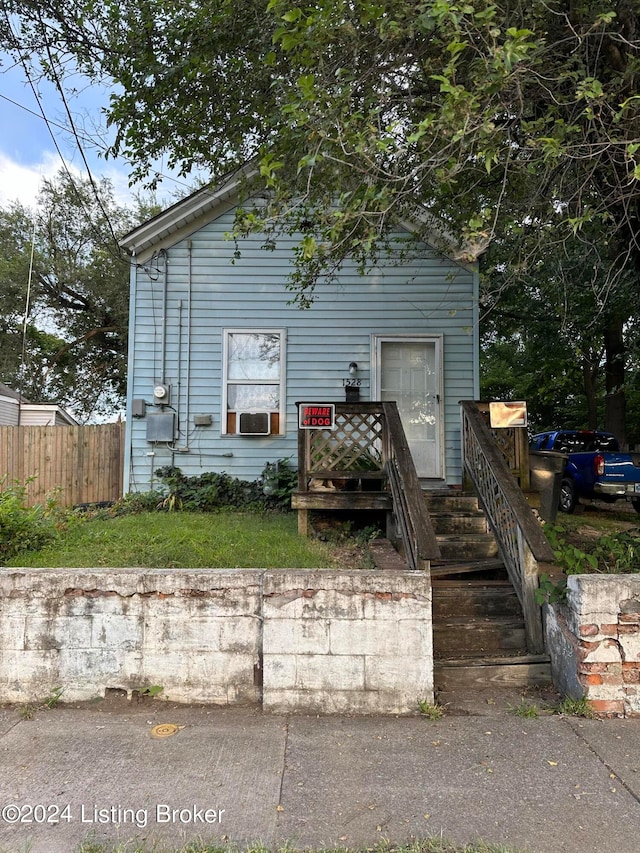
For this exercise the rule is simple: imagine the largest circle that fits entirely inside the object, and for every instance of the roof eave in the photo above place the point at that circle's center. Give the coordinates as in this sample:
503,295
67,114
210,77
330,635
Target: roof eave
50,407
184,211
157,232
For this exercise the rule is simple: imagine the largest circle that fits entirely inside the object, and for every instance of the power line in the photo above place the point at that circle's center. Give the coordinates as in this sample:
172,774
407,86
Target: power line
87,139
94,188
38,115
77,134
34,91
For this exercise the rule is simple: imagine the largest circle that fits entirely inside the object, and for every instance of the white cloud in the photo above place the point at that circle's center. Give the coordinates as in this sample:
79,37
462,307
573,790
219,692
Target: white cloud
22,183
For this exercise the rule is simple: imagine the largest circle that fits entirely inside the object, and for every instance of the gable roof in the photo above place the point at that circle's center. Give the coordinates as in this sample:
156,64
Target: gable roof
53,411
57,412
196,210
5,391
185,216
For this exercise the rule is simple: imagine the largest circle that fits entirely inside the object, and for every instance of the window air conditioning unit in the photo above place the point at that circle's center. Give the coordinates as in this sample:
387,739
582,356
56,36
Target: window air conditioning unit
253,423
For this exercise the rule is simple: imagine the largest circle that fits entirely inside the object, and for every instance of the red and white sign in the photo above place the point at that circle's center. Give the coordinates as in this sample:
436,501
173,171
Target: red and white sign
316,415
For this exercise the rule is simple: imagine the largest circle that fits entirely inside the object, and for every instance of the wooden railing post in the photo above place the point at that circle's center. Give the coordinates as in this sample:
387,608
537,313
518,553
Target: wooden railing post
530,607
303,464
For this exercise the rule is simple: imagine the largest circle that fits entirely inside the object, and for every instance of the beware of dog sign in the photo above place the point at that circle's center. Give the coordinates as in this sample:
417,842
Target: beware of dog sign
316,415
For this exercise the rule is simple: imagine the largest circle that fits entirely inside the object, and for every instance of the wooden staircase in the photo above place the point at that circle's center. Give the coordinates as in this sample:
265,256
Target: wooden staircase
478,625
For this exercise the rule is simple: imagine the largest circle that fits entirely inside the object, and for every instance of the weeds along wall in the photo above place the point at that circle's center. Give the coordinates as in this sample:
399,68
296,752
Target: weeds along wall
291,640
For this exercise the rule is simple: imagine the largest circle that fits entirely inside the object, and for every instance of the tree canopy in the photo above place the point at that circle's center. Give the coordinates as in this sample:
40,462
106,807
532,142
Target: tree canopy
65,285
549,337
360,112
515,122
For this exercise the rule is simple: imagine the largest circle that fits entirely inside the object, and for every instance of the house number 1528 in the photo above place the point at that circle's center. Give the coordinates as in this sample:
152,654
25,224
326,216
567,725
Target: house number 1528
352,383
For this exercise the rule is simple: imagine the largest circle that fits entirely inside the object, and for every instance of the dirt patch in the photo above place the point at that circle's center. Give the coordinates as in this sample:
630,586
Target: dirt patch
348,538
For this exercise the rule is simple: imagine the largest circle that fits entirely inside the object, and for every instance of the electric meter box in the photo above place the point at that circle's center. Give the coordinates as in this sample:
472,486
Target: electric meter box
161,394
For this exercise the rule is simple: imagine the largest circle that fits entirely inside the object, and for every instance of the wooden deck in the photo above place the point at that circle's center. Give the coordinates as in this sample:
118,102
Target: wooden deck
328,500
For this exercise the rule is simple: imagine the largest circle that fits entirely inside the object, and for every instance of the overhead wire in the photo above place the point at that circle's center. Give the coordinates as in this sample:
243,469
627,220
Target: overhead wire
79,138
94,188
72,181
36,95
39,115
86,139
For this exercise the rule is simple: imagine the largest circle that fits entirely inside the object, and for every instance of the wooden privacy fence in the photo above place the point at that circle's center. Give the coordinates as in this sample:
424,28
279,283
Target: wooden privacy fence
84,462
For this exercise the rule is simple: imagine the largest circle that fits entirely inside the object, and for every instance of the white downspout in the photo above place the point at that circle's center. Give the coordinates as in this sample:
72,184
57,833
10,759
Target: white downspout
128,444
185,446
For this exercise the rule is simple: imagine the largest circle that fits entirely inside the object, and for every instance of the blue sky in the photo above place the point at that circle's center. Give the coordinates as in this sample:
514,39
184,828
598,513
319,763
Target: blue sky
27,150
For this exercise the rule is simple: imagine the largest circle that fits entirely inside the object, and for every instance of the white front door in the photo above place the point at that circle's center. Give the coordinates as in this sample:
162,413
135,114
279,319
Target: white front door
408,372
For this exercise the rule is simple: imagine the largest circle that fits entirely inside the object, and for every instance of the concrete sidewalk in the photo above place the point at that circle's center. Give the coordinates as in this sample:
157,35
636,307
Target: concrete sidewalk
544,785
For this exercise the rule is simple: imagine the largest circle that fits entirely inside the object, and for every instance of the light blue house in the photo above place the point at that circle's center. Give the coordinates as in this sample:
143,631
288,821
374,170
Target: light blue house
218,357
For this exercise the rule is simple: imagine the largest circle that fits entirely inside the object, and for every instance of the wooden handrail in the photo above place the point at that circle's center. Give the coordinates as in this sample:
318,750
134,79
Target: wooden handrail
531,529
519,536
415,522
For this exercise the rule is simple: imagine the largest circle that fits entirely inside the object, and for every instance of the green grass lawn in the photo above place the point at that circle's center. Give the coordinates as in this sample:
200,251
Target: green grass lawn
182,540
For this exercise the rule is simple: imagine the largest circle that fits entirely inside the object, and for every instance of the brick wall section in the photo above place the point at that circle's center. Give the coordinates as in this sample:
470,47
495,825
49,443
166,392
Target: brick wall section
594,642
347,642
310,641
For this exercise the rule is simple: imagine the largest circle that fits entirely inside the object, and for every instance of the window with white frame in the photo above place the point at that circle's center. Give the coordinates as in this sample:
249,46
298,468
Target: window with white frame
254,376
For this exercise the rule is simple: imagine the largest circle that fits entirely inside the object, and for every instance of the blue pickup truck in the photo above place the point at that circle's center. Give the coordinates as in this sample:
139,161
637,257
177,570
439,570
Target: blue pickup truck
595,467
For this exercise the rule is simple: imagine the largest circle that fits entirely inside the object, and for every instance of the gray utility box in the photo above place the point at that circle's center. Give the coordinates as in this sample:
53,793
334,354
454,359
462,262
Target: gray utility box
546,467
161,426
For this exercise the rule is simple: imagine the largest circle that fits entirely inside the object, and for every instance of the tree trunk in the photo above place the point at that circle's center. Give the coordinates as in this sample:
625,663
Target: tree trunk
589,381
615,400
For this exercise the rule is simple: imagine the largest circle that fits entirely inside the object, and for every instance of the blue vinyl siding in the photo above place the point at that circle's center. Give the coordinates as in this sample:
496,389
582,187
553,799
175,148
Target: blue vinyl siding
425,295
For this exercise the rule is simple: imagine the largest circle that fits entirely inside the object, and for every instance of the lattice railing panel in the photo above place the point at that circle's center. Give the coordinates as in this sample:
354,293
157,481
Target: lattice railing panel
354,445
368,443
513,444
506,442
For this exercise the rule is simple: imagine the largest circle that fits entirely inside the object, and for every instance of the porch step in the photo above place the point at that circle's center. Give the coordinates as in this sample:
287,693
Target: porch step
479,637
506,671
450,501
467,546
474,618
451,568
459,522
460,526
464,637
477,599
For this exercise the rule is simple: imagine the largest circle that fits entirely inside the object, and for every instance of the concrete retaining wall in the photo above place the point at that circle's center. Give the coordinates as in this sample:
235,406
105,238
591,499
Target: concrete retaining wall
320,641
594,642
356,642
